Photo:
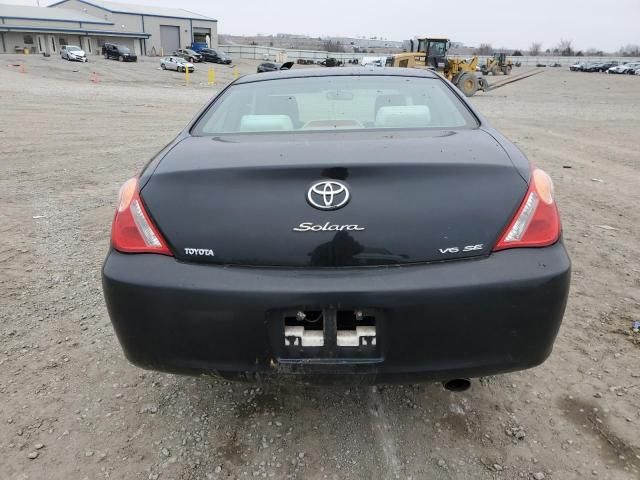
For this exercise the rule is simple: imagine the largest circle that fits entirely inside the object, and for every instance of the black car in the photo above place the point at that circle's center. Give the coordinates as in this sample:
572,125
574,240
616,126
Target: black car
118,52
273,67
335,223
188,54
331,62
606,66
591,67
599,67
210,55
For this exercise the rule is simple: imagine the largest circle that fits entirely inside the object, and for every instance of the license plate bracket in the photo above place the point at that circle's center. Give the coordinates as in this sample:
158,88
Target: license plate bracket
327,333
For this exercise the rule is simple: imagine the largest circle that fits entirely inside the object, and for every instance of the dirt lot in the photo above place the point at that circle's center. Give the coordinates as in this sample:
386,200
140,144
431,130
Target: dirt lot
72,407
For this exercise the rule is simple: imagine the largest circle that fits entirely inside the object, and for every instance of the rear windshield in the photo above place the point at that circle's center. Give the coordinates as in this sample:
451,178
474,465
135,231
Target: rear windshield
335,103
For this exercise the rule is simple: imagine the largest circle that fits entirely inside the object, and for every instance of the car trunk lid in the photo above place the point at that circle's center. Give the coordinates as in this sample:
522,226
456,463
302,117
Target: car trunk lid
244,199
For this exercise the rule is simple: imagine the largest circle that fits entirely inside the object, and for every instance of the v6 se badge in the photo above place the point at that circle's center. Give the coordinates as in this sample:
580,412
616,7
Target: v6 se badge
467,248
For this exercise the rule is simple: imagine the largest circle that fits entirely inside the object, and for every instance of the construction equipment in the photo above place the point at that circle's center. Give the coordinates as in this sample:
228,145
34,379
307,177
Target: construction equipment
431,53
496,64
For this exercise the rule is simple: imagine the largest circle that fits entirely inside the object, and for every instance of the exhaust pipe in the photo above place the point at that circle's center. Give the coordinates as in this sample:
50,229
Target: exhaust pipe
457,384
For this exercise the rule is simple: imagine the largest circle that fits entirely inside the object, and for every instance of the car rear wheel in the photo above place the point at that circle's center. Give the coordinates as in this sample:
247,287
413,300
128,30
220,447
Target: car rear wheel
121,58
105,55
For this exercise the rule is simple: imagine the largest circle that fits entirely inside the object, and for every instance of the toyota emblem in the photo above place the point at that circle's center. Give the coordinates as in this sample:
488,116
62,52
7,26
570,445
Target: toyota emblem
328,195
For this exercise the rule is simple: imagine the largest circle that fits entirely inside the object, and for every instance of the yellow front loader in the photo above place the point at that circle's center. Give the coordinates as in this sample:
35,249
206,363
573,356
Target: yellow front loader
497,64
432,53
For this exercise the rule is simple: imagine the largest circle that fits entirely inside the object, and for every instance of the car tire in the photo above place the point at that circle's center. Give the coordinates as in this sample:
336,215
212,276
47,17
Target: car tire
121,58
105,55
192,60
163,66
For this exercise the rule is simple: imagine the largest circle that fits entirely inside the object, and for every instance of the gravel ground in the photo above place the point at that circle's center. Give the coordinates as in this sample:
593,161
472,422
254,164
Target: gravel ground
72,407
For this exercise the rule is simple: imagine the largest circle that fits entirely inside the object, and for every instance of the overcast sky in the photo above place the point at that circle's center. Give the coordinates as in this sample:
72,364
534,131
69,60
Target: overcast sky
602,24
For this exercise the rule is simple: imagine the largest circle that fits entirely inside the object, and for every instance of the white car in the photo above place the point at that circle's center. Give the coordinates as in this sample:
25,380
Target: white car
178,64
72,52
626,68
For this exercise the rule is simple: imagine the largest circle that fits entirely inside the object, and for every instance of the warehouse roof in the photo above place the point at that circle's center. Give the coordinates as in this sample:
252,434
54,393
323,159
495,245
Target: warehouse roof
117,7
25,12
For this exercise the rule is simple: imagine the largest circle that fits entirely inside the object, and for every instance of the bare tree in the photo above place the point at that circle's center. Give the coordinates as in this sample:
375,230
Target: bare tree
565,47
535,48
331,46
594,52
630,51
484,49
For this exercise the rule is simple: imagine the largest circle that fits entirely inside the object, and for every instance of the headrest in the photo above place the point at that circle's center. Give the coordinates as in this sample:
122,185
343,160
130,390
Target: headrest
404,116
265,123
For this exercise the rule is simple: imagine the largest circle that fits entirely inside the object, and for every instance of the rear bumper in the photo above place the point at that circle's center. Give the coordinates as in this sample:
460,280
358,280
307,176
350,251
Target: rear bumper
453,319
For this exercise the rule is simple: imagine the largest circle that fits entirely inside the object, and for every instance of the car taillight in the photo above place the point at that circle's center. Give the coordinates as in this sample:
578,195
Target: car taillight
537,222
133,230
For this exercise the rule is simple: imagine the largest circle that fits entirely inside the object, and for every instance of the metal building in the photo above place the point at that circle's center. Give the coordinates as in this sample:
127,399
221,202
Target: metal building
90,23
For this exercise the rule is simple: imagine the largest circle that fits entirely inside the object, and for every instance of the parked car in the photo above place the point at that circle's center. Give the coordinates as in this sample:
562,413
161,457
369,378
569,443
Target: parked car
71,52
606,66
272,67
624,68
587,66
634,69
178,64
592,67
333,62
599,67
188,54
118,52
387,233
576,67
210,55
